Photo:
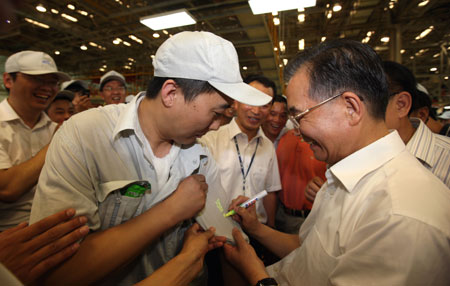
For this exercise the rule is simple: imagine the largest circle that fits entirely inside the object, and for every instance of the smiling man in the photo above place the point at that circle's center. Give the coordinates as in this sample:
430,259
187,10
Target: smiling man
274,125
31,79
135,170
113,88
381,217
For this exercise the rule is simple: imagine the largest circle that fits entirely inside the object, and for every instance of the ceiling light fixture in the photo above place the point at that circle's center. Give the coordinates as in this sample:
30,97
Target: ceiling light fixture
84,13
70,6
337,7
301,44
433,69
156,35
126,43
101,69
276,21
402,51
93,44
244,68
385,39
136,39
83,47
265,6
68,17
36,23
323,39
117,41
329,14
285,61
57,52
167,20
423,3
54,11
425,33
41,8
301,18
165,32
152,56
436,55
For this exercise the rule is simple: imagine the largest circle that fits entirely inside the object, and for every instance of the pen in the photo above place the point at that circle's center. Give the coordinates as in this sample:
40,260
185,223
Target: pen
248,202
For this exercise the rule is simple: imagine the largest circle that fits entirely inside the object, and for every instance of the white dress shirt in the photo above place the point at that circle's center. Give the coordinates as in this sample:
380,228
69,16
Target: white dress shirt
380,219
263,174
432,150
19,143
101,150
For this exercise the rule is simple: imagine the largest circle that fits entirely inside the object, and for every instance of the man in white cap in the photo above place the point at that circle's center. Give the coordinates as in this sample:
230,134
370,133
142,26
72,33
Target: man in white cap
138,174
113,88
31,79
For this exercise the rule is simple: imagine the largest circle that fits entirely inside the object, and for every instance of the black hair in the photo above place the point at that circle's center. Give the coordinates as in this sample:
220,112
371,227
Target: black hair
262,80
190,87
343,65
400,78
423,100
279,98
76,87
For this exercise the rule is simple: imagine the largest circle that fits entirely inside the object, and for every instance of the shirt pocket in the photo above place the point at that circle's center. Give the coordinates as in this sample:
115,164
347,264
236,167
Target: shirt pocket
258,178
116,207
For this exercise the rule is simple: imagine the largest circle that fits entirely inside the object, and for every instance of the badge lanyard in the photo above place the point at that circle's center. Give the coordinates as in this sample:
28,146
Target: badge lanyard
244,174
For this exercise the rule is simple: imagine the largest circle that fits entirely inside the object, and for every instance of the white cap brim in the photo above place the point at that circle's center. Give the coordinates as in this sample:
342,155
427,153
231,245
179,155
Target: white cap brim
243,93
61,75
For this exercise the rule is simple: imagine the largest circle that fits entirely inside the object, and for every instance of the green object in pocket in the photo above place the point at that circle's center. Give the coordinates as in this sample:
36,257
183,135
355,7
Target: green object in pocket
136,189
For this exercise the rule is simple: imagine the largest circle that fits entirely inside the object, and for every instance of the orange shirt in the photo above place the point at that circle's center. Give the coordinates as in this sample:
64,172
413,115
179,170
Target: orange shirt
297,166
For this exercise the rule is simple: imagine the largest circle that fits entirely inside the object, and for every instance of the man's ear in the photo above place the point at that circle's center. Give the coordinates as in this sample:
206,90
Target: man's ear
169,93
7,80
403,102
354,107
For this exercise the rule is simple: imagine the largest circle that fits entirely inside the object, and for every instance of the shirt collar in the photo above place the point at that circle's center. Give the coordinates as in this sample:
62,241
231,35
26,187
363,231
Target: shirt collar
235,130
7,113
421,144
350,170
128,119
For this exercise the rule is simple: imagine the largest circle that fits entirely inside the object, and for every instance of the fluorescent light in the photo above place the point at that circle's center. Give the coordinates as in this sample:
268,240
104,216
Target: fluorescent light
385,39
155,35
425,33
337,8
36,23
41,8
323,39
269,6
446,77
136,39
244,68
423,3
436,55
165,32
83,47
433,69
285,61
402,51
329,14
54,11
167,20
70,6
101,69
84,13
126,43
301,18
301,44
68,17
117,41
57,52
93,44
276,21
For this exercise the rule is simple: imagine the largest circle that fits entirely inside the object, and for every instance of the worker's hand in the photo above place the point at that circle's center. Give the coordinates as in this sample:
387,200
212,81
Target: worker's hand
198,242
244,259
312,188
246,217
82,103
190,196
30,251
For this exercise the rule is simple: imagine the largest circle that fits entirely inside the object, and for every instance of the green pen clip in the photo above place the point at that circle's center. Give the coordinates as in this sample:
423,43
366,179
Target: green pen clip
136,189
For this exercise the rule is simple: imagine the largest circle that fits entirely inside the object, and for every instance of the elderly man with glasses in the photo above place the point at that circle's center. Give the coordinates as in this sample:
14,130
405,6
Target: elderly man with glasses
381,218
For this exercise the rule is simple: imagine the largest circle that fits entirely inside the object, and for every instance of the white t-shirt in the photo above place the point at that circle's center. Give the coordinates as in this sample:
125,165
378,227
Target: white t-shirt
380,219
263,174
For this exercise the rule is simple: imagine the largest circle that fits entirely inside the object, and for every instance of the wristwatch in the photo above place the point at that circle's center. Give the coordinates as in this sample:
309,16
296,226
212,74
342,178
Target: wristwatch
267,282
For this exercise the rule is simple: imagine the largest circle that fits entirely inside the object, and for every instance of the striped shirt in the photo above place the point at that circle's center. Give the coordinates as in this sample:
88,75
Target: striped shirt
431,149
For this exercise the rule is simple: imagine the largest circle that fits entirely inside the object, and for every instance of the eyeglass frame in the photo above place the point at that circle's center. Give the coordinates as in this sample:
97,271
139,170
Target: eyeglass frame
295,119
111,89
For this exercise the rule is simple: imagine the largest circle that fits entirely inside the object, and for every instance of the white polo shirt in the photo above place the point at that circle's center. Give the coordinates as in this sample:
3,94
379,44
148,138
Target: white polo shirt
380,219
100,150
19,143
263,174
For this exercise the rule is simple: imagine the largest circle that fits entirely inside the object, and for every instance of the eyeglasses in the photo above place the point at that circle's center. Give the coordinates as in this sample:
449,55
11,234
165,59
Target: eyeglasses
109,88
295,119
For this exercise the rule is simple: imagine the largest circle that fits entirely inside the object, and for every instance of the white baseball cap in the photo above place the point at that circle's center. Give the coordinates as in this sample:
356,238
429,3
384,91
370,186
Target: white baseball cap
207,57
81,83
445,115
112,75
33,63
